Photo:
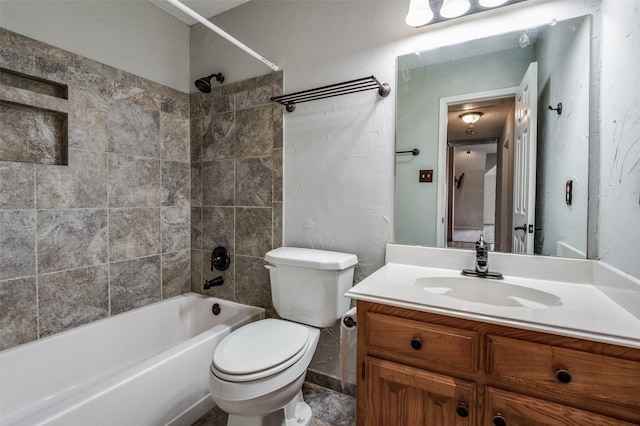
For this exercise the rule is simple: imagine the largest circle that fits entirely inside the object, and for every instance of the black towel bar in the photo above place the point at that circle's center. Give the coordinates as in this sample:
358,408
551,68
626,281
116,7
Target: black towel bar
338,89
414,151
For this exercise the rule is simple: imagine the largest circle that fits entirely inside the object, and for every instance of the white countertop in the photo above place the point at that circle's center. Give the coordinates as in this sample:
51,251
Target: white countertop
583,311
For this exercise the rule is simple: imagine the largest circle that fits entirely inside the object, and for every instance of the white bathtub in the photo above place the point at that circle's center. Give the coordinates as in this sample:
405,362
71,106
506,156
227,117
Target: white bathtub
148,366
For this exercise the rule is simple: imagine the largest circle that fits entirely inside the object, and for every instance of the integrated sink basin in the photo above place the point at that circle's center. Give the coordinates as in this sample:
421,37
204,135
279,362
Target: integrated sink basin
497,293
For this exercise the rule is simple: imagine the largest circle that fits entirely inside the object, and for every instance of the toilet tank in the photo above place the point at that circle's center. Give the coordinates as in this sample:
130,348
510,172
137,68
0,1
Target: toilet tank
308,285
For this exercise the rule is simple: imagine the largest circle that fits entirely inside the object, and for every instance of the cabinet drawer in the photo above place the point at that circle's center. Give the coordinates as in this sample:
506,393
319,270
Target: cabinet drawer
565,371
422,342
520,410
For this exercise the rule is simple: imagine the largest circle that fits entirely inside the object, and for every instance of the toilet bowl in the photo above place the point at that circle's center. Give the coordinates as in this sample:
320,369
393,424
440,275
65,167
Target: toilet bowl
266,376
257,371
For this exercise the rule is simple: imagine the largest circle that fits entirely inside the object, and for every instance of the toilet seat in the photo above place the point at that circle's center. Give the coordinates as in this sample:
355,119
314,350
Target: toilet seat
260,349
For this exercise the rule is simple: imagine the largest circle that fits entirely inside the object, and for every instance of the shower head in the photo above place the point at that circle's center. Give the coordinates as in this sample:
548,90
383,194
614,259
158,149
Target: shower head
204,84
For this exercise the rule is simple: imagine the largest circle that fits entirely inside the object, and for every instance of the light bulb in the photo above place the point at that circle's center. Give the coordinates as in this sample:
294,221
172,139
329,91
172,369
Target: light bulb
454,8
491,3
470,117
419,13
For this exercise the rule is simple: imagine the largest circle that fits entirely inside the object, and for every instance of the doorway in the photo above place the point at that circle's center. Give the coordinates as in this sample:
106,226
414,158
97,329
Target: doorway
478,154
474,193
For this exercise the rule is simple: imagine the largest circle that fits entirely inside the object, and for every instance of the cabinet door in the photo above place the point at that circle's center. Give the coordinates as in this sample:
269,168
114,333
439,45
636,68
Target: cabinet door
407,396
509,409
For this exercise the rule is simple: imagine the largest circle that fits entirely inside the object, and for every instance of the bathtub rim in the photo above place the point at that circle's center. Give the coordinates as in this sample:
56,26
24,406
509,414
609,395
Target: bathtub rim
68,331
243,310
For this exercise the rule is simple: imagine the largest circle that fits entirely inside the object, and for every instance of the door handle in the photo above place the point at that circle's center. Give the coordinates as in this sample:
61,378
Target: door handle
521,228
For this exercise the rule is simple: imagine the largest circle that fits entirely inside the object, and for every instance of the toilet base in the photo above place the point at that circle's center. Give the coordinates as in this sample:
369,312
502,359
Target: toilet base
295,413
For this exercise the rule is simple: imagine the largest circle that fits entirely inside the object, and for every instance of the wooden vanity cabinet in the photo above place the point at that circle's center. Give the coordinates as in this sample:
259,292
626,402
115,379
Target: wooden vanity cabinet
418,368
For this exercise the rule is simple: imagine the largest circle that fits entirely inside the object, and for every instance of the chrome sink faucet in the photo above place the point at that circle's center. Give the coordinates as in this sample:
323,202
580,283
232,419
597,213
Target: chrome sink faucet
482,257
481,269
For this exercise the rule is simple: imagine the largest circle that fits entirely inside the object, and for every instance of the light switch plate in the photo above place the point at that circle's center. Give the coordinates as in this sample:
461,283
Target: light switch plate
426,175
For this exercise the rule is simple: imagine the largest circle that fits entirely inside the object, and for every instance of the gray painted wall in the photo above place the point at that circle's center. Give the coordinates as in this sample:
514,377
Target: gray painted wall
563,143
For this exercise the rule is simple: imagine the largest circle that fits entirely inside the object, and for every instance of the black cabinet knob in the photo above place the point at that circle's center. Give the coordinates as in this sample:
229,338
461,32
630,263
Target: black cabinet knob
462,410
416,343
499,420
563,376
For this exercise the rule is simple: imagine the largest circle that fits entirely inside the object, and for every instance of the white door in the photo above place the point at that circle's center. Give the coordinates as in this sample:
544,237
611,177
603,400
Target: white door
524,185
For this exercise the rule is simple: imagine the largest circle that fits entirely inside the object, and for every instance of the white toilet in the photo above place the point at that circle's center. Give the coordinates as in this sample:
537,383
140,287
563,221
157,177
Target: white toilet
257,371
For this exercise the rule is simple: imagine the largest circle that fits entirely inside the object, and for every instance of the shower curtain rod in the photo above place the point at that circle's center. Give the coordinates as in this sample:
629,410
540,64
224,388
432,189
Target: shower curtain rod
223,33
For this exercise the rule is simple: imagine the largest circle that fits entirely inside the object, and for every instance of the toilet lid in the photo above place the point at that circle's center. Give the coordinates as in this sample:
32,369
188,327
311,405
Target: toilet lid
260,349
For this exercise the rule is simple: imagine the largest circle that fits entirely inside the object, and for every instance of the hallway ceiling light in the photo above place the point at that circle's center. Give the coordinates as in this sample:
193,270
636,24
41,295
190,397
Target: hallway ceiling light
427,12
419,13
470,117
454,8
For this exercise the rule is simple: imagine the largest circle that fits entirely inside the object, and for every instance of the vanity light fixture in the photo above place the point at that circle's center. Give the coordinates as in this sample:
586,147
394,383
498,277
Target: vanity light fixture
427,12
471,117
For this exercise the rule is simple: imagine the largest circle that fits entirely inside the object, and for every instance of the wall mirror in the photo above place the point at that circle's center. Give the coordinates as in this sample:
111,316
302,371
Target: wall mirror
502,129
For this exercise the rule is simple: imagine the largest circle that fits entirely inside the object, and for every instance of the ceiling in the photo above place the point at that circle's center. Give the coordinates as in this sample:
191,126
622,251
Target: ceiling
206,8
495,115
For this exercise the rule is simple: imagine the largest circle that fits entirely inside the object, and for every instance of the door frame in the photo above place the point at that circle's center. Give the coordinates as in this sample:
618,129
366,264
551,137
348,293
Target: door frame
441,205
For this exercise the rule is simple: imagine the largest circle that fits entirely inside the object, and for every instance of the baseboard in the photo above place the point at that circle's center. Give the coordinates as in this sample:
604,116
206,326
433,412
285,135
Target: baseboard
329,382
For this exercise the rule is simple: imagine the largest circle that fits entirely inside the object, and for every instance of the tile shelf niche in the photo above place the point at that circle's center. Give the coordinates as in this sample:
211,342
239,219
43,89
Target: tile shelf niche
33,119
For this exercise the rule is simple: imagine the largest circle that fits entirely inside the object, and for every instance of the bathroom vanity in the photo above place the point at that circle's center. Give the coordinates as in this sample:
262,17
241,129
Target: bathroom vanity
549,345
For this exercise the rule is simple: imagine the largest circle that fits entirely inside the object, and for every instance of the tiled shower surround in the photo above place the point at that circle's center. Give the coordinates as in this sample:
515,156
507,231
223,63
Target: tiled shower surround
112,230
236,186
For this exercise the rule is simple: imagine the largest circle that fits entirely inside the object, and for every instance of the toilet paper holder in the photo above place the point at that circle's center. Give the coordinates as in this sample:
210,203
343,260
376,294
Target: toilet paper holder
349,322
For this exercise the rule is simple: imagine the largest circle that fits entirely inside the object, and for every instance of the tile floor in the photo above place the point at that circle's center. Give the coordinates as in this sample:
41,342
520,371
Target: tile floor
330,408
